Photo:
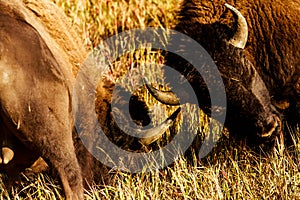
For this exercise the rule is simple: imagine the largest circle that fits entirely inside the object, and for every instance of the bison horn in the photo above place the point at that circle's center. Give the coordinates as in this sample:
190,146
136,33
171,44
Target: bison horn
7,155
165,97
149,136
240,37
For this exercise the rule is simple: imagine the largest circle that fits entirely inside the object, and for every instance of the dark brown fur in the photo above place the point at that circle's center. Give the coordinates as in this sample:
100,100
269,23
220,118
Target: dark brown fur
271,52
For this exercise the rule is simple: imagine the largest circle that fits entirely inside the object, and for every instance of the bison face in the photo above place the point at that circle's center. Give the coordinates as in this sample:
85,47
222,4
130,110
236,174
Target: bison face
249,109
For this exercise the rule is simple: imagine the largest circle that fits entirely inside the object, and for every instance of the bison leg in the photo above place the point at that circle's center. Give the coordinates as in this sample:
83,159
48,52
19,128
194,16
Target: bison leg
50,138
59,152
46,131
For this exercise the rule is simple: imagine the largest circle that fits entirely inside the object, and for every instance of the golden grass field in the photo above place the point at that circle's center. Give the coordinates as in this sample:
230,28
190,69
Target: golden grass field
230,171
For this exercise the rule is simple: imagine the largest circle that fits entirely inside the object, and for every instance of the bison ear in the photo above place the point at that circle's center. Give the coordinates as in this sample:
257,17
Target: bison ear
240,37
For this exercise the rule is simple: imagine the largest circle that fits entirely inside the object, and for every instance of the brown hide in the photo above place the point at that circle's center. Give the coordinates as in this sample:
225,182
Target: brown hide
41,52
53,25
272,45
262,75
35,100
49,25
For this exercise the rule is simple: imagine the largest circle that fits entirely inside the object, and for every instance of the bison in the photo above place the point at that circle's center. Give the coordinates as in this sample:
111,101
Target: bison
254,45
39,59
28,112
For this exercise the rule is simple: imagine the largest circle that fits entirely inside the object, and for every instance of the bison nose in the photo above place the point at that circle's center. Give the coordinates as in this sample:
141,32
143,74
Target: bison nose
273,126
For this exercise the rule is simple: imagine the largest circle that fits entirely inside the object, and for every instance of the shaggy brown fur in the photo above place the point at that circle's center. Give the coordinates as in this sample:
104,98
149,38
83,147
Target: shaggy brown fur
271,52
272,43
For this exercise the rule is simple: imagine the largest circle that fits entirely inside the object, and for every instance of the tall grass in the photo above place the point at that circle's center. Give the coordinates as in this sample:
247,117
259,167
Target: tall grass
227,173
230,171
100,19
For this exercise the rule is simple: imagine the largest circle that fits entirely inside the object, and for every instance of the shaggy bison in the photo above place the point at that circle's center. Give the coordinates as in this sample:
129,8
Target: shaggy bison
255,47
39,56
42,122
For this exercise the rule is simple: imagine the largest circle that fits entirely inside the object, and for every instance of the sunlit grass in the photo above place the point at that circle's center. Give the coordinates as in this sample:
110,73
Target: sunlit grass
230,171
99,19
235,174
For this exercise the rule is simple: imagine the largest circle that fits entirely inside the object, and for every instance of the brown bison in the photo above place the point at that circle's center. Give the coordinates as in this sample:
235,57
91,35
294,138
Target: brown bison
35,91
30,73
39,56
254,45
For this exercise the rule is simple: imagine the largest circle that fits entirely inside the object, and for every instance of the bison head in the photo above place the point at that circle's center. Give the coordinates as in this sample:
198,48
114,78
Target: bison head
249,112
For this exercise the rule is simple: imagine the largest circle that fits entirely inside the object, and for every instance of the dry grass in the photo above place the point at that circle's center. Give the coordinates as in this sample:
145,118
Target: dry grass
100,19
228,172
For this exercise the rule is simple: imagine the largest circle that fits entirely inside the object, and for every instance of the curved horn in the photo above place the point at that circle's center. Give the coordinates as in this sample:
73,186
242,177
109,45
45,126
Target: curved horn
165,97
7,155
151,135
240,37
